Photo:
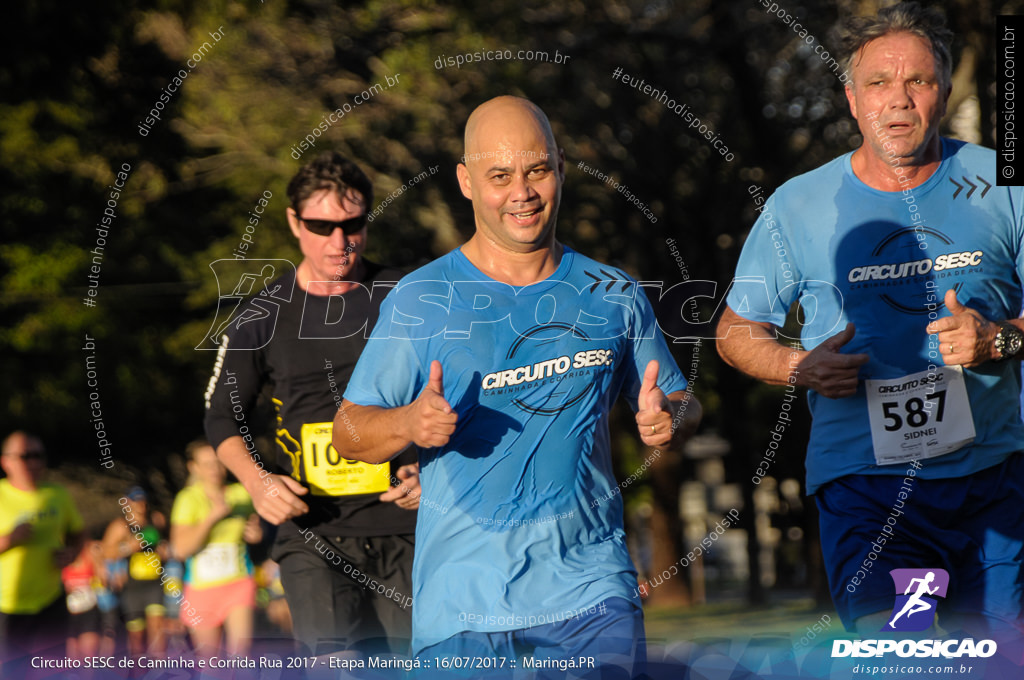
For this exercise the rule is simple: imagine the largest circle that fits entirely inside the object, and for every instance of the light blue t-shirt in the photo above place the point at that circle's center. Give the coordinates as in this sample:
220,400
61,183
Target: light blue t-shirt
884,260
520,522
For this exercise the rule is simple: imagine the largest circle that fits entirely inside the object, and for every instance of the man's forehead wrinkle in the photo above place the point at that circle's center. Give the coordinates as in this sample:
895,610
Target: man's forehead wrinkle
896,57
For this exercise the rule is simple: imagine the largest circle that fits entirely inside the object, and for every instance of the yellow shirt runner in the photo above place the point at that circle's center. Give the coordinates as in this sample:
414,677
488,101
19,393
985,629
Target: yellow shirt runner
224,558
29,578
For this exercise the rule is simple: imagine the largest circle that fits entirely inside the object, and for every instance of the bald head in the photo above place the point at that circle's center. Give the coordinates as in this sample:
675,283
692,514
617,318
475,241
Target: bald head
513,173
491,124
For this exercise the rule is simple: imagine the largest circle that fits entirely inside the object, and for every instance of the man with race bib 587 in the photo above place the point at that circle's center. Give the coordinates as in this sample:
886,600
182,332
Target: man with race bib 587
911,290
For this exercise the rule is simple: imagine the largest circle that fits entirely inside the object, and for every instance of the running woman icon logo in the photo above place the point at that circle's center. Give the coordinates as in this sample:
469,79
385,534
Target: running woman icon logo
916,593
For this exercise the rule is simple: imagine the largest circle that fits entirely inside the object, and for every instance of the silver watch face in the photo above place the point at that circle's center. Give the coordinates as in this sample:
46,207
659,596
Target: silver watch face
1014,343
1009,341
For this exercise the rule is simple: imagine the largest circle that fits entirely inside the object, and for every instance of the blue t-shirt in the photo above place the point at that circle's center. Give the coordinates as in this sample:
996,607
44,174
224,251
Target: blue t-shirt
520,522
884,260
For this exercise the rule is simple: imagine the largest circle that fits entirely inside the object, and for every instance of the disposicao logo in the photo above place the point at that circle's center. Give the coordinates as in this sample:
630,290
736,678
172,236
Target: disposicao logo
916,590
913,610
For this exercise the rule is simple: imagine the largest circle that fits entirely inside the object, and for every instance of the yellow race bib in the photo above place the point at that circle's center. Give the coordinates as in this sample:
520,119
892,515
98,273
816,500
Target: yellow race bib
328,474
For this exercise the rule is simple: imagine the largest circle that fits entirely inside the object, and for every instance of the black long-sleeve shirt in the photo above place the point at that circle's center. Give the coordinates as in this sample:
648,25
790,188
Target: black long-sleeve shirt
305,347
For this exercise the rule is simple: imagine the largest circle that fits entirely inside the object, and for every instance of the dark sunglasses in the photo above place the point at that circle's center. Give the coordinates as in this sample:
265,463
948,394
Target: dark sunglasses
350,226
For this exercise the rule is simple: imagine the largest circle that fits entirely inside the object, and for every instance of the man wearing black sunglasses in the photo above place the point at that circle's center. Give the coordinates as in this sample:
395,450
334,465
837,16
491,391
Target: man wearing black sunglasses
40,533
345,536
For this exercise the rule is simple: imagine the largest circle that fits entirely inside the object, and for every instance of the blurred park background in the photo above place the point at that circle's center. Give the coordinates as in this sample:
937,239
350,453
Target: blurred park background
79,81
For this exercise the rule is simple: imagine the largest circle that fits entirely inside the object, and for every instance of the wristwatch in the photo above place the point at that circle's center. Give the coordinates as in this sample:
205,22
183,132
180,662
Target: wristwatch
1008,341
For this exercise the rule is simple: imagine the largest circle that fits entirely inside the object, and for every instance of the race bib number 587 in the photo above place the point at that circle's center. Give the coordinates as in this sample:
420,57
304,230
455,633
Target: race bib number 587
922,415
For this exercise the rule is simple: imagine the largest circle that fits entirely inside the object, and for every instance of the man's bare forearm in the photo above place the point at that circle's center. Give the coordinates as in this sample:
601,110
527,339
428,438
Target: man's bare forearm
371,434
754,349
235,456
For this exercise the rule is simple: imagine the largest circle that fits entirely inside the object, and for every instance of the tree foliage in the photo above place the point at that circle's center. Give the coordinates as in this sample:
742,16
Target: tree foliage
73,104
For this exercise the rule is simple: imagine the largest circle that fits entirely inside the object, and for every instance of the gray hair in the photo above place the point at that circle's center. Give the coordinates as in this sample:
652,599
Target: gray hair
927,23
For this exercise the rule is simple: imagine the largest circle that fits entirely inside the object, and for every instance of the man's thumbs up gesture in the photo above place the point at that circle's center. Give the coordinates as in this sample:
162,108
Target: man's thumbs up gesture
966,338
654,411
432,420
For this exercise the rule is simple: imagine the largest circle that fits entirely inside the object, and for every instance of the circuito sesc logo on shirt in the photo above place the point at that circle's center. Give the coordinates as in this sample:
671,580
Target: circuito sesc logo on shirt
903,260
559,381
